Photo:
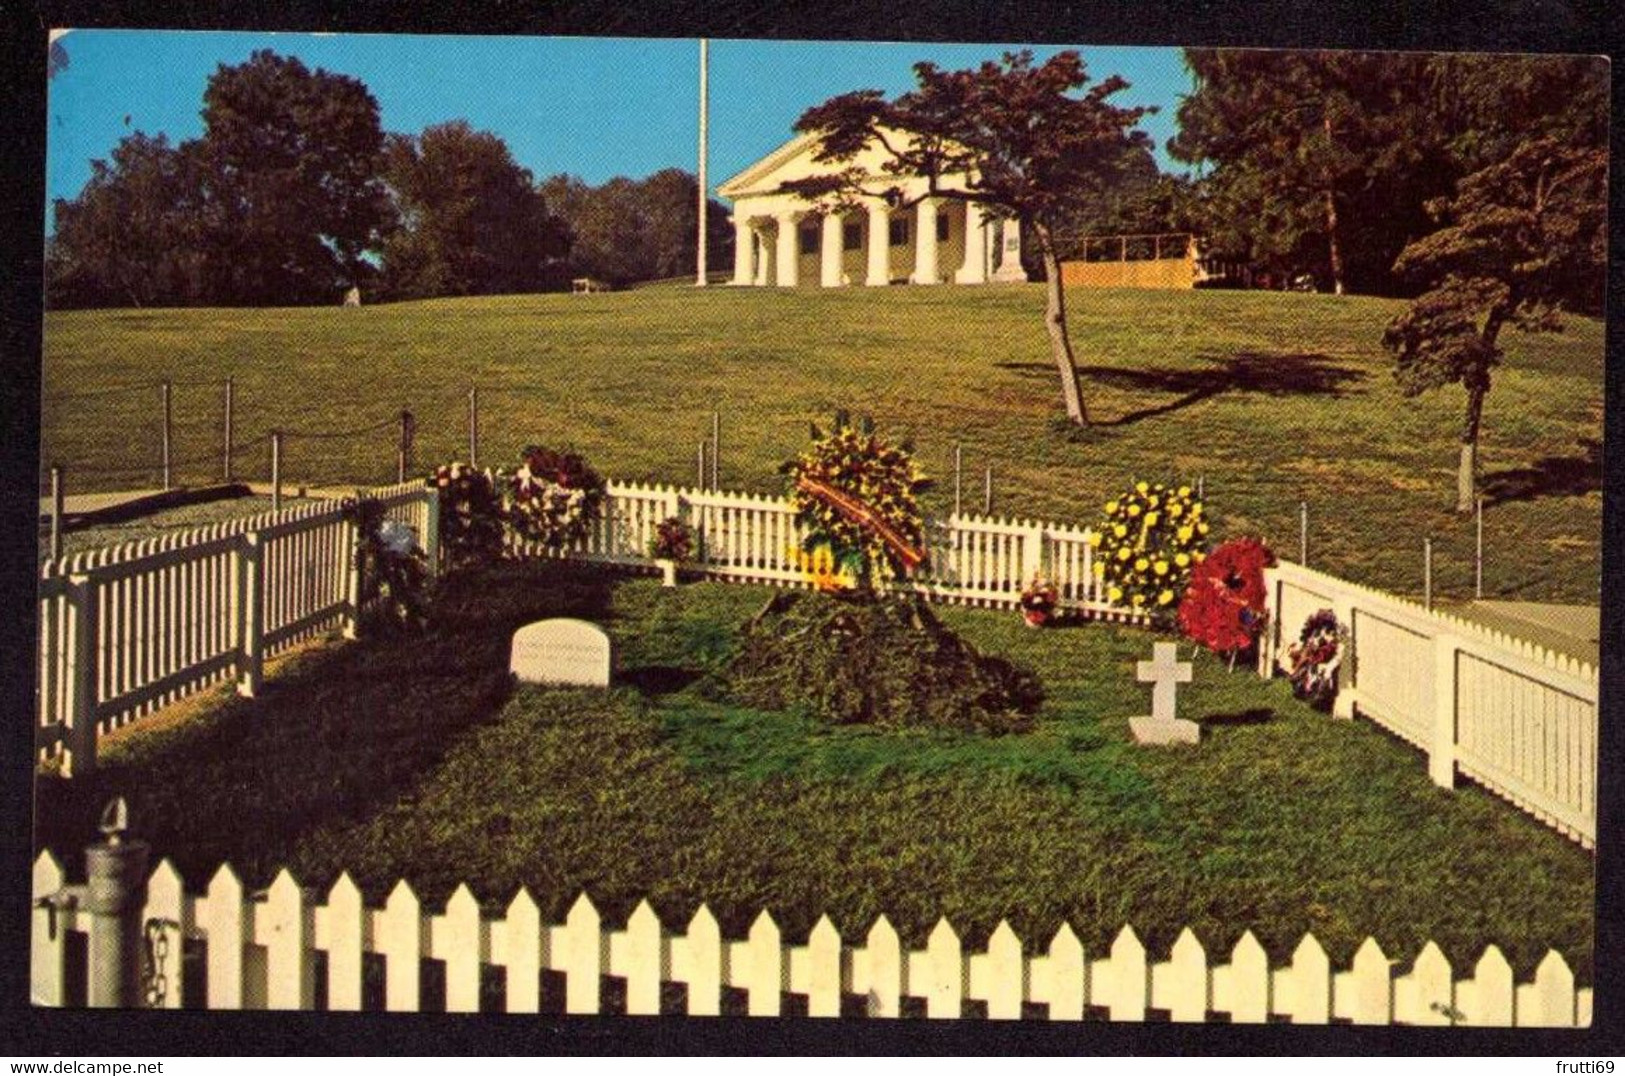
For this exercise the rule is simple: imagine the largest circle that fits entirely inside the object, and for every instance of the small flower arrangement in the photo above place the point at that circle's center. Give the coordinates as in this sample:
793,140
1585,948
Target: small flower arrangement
554,497
1038,601
673,540
1146,544
1314,660
1224,604
472,527
394,569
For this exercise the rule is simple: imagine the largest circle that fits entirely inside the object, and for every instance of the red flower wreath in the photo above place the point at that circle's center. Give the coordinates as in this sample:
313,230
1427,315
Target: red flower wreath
1223,608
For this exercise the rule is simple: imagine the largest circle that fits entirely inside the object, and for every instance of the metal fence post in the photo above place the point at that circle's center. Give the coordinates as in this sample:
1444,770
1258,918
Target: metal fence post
1303,533
404,459
474,426
81,738
227,438
958,469
987,494
116,886
716,450
58,498
1478,552
276,470
250,615
1427,573
168,431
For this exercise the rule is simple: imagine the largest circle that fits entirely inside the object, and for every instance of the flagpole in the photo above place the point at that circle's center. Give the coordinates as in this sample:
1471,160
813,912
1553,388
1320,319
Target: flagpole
699,268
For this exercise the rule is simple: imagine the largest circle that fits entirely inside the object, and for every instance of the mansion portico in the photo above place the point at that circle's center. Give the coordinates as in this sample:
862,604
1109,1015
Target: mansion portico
782,239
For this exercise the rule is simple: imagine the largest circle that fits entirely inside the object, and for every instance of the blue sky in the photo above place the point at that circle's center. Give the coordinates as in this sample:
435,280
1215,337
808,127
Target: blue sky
593,107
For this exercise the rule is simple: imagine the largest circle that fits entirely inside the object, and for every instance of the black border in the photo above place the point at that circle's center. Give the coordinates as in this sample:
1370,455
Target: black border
1581,26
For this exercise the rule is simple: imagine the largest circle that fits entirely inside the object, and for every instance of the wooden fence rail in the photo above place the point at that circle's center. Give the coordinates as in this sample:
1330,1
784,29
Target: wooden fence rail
260,951
1515,717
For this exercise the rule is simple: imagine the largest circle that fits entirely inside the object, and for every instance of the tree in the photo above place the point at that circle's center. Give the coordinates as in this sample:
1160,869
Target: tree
471,221
293,198
1029,145
1317,159
130,237
1518,238
630,230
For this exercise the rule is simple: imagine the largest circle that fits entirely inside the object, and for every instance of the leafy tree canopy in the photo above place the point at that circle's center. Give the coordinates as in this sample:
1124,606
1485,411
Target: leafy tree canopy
1034,143
471,219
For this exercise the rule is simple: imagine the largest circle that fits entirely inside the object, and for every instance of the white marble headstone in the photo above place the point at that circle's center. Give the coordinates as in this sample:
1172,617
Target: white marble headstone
561,651
1165,672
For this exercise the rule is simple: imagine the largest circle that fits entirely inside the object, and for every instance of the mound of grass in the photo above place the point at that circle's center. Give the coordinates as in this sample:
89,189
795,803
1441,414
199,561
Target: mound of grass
867,659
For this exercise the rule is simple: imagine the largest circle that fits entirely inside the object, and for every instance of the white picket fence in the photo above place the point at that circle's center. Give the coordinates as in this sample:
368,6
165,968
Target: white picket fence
260,952
169,616
1514,717
972,560
127,629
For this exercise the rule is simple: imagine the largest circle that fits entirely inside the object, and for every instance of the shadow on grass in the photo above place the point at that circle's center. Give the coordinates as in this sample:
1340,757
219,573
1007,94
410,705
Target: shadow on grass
1256,716
656,680
1553,476
337,733
1269,373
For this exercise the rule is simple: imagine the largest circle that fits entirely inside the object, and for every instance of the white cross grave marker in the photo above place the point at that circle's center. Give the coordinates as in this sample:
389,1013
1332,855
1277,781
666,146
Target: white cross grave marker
1165,672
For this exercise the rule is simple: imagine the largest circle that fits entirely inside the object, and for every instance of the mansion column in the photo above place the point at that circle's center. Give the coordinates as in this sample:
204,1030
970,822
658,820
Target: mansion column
787,268
925,242
1010,269
744,247
879,273
974,271
829,253
763,258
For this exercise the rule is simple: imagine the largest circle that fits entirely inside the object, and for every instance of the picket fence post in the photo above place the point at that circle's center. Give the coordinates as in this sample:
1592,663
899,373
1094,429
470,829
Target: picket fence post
1442,748
250,614
1032,552
431,531
81,739
351,548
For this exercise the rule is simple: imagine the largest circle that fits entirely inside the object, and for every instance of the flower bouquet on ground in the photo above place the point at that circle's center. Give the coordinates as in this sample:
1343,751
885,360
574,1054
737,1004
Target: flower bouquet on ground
672,545
471,523
1314,659
554,497
1224,605
394,569
1038,601
1146,544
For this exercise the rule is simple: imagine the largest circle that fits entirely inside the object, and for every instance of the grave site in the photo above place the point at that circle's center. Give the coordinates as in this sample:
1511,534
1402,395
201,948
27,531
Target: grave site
834,737
788,646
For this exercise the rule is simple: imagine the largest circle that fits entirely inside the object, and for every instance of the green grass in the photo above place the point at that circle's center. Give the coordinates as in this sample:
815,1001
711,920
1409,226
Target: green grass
1273,398
416,761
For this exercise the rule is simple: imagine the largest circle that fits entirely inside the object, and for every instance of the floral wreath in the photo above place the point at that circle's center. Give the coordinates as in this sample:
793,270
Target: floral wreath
1314,660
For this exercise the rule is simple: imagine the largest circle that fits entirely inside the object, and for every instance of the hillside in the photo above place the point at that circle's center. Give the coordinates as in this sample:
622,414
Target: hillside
1271,398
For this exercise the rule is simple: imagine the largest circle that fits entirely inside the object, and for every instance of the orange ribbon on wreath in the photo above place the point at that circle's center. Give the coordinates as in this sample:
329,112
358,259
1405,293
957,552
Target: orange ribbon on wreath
864,516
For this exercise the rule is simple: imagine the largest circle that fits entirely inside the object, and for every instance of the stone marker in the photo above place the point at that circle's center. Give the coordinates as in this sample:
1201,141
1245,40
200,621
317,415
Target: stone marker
561,651
1166,672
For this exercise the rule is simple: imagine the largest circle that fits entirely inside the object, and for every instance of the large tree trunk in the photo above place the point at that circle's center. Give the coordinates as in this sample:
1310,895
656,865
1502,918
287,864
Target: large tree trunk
1330,197
1055,324
1477,383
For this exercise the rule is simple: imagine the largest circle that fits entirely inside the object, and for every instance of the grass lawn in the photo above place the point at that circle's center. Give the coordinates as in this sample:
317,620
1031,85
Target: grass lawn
1272,398
417,759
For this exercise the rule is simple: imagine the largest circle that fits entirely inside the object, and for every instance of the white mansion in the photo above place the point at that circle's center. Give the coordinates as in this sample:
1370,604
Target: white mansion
782,239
